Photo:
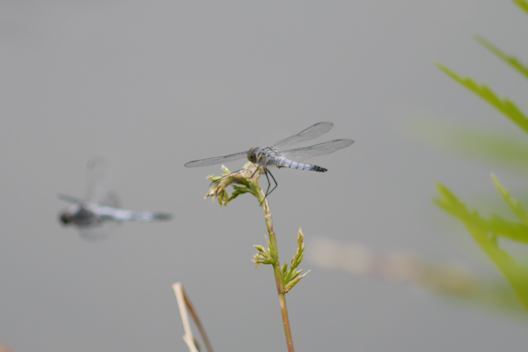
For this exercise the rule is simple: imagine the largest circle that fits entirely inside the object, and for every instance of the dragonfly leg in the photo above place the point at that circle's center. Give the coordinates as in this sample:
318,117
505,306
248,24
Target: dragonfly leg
269,183
275,183
254,172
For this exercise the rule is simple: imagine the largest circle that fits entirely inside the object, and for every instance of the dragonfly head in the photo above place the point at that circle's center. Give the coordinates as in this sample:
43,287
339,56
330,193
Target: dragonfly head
252,155
65,218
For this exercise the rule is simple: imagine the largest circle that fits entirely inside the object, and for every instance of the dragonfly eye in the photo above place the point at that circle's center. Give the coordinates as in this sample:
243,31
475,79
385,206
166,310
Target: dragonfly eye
252,156
65,219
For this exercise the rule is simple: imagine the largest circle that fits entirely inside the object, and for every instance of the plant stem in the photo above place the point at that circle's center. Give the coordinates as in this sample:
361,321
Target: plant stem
246,180
277,272
185,305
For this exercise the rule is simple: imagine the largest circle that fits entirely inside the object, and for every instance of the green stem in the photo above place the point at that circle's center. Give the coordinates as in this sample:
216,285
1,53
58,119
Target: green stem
243,181
277,271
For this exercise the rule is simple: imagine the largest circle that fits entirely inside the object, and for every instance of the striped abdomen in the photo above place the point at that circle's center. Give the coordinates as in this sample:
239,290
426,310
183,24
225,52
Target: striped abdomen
284,162
269,156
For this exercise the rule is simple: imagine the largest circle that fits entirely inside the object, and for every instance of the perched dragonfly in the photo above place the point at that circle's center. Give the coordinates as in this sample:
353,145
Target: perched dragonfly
282,155
100,207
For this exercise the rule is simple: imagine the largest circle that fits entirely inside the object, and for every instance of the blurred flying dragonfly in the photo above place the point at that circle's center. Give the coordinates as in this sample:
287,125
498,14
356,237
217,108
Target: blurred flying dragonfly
100,207
281,155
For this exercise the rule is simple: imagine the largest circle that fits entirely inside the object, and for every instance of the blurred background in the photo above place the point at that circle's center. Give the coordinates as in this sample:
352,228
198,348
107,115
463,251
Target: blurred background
152,84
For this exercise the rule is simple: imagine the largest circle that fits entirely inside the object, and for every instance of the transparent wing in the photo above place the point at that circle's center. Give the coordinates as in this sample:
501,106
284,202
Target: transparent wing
97,190
110,199
96,173
314,131
300,154
96,233
216,160
70,199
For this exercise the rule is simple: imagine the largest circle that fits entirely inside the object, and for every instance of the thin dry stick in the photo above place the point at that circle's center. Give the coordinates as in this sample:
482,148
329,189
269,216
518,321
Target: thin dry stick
277,272
184,304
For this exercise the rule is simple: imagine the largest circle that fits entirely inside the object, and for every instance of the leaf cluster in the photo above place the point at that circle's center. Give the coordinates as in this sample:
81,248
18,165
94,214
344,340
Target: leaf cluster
489,232
291,274
241,182
229,186
508,108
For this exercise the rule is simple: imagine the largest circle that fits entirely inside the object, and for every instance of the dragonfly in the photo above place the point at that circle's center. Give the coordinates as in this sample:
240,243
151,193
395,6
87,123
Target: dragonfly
100,208
282,155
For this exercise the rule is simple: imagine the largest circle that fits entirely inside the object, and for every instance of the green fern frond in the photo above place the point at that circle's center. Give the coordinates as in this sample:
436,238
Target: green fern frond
500,148
523,4
510,60
500,227
505,106
516,274
495,226
514,205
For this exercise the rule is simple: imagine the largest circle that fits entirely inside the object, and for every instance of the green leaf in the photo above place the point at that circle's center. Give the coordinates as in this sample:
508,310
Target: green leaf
523,4
262,256
284,271
291,275
299,253
514,205
507,229
505,106
260,249
292,283
237,191
450,203
516,274
496,226
511,60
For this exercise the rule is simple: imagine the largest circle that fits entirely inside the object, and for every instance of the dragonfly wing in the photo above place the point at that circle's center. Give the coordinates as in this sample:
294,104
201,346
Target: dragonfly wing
71,199
216,160
96,173
110,199
95,233
312,132
304,153
97,190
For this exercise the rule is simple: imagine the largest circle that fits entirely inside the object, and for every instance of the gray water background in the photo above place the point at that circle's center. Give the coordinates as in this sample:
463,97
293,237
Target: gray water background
152,84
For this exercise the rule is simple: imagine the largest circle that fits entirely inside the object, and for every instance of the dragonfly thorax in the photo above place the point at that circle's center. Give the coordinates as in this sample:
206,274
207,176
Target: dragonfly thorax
263,156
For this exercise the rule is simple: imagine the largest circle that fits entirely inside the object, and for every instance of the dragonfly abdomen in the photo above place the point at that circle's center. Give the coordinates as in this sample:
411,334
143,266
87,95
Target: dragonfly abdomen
284,162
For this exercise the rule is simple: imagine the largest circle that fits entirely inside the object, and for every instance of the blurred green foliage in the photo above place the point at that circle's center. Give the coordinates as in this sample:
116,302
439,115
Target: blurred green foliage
508,108
486,233
511,60
502,149
523,4
490,232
